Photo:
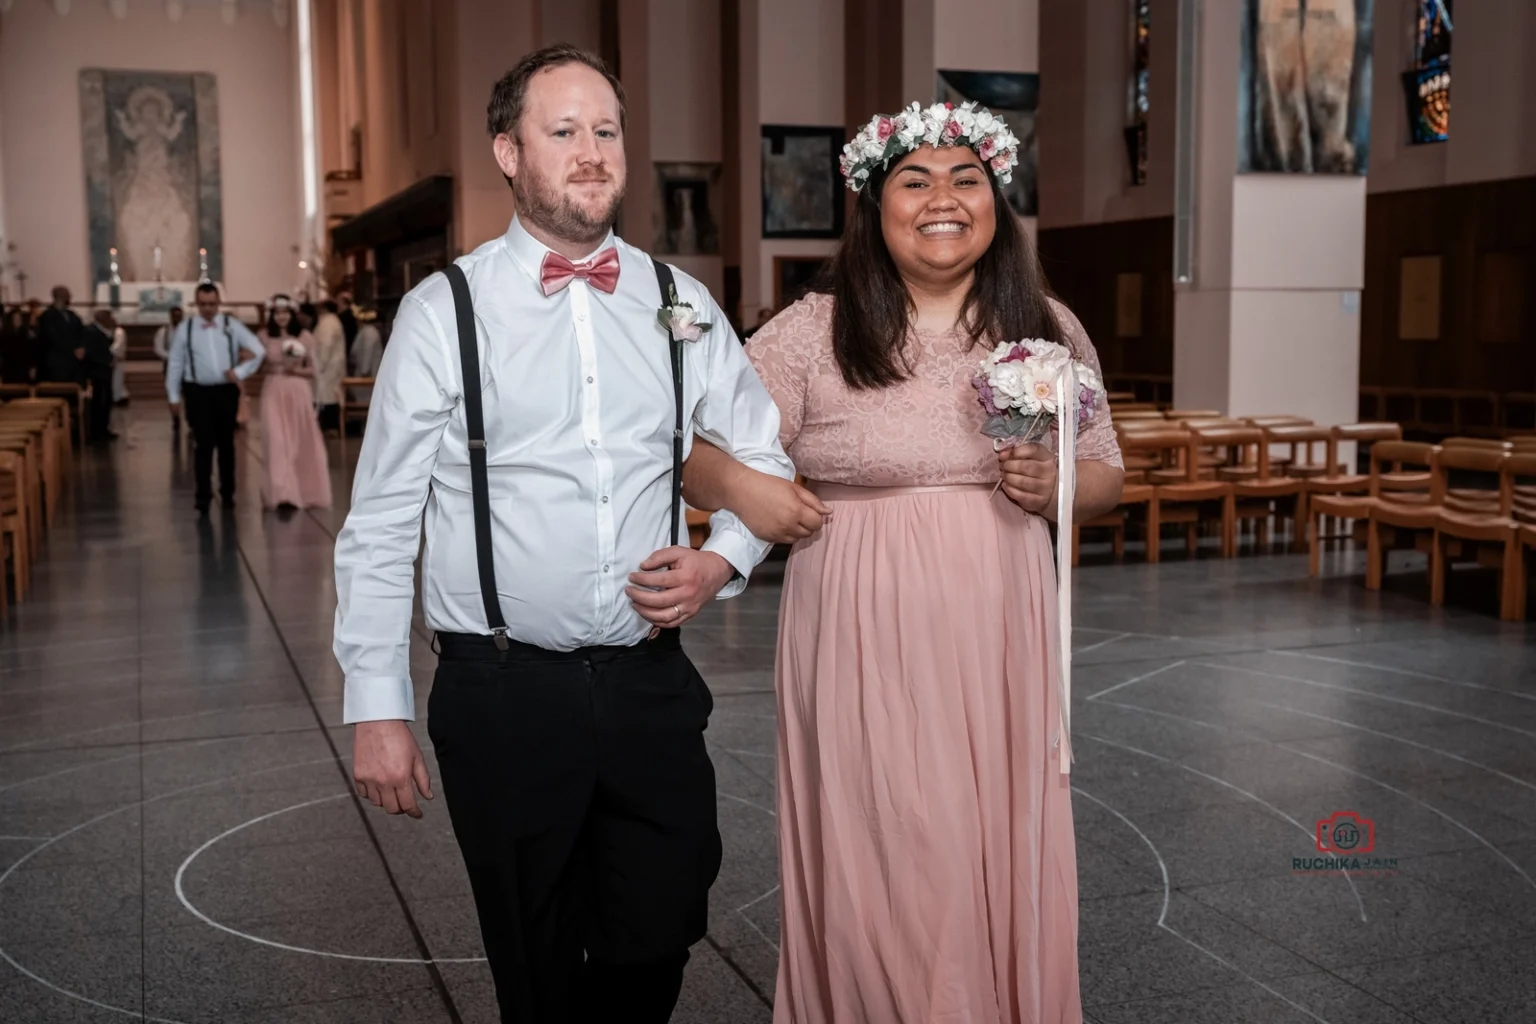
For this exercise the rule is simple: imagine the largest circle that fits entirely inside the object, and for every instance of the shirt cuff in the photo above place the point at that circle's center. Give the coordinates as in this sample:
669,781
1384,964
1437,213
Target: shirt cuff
380,699
741,552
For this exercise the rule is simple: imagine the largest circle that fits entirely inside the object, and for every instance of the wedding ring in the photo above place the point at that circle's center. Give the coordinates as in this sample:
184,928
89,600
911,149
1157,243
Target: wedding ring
677,611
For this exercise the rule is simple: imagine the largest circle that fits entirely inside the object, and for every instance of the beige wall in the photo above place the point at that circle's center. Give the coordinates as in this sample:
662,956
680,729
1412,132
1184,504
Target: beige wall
1493,99
792,73
41,56
1085,63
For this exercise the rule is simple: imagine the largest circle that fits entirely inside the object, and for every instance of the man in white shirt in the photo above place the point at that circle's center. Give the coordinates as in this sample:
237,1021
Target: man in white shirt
163,351
205,369
570,732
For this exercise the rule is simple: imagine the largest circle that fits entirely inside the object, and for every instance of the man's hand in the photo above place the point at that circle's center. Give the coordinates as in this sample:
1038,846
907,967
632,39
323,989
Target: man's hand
232,376
778,510
175,410
1029,478
385,761
681,581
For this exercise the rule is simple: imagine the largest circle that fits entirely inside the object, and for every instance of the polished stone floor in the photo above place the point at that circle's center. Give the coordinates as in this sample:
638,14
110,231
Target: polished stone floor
178,844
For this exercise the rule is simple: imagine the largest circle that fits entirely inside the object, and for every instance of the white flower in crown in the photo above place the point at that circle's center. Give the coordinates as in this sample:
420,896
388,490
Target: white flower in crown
887,137
681,320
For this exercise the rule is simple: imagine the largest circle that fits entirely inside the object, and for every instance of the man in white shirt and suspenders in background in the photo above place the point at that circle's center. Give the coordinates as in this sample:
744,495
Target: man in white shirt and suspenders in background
534,406
205,370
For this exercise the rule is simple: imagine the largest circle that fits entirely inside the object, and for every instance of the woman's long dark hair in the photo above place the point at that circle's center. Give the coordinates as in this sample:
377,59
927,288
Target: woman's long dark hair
872,311
294,328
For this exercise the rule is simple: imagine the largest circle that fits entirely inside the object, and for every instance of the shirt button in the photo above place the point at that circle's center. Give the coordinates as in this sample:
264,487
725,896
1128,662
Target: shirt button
605,499
589,380
581,316
605,568
593,442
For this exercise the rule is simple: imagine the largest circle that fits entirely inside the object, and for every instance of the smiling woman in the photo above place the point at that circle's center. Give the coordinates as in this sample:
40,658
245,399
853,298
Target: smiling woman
925,824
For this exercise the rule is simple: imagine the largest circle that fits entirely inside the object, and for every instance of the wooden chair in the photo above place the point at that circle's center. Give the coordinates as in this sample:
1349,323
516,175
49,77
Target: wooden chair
1260,492
1387,458
1474,500
1394,520
11,392
28,446
1158,447
74,395
13,520
1330,476
1491,537
348,405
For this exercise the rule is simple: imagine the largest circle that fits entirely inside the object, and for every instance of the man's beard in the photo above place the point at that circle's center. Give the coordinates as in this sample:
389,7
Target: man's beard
538,201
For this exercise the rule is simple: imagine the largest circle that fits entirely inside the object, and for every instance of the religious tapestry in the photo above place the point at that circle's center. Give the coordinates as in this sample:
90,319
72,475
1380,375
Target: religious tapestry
1304,103
152,183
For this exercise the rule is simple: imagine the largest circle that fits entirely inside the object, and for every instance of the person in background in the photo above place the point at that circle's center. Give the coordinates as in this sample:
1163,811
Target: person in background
296,471
119,364
60,341
763,316
330,364
368,349
97,363
205,369
163,351
348,318
17,363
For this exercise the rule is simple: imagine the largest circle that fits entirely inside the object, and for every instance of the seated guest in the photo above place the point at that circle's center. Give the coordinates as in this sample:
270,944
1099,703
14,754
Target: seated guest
16,353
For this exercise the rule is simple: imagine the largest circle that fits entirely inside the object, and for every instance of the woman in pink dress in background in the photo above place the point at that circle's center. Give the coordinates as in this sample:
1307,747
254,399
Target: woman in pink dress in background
925,825
297,470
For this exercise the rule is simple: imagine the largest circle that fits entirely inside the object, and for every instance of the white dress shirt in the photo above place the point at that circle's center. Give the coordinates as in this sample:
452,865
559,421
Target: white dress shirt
579,413
204,345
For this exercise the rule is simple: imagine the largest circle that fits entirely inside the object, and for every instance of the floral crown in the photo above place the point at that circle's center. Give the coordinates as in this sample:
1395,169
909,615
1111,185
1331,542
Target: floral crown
885,138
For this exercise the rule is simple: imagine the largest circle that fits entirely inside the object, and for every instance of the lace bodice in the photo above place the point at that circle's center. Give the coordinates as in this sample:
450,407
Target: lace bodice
924,431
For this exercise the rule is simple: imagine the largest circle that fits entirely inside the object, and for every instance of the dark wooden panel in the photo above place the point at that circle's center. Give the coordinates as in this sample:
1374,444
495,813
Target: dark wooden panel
1083,266
1485,236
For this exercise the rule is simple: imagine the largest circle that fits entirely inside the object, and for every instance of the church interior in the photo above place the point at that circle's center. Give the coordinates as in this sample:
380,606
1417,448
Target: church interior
1310,278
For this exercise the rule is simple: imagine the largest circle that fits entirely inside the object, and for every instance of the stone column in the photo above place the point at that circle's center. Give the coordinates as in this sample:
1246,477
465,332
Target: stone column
1270,322
490,36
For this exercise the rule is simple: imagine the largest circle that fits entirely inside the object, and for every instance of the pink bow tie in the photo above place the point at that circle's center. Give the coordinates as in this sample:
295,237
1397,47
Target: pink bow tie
601,271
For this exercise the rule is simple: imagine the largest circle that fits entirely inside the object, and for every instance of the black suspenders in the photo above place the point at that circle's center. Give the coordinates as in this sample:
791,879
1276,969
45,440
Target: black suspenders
229,339
474,425
669,298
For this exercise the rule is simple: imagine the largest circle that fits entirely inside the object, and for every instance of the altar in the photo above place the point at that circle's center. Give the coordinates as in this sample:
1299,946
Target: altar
146,303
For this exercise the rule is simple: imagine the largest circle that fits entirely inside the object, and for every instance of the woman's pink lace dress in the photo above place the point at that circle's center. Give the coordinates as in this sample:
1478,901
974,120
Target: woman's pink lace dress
297,470
925,830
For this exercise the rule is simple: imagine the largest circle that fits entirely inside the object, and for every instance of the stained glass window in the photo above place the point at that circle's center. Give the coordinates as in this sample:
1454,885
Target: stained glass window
1136,130
1427,85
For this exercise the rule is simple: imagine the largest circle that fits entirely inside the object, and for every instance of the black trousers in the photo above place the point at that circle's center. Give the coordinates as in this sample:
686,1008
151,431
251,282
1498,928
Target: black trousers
211,412
100,379
583,801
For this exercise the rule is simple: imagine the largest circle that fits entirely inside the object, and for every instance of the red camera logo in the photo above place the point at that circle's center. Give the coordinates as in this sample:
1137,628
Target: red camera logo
1346,833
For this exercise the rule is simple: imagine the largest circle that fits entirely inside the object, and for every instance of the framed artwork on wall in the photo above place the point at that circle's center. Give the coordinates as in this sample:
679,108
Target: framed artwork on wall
792,277
1013,96
1418,298
1304,87
802,186
152,178
687,209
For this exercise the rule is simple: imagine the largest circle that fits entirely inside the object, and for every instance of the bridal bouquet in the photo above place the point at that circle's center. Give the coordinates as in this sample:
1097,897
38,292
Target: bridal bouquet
293,348
1017,384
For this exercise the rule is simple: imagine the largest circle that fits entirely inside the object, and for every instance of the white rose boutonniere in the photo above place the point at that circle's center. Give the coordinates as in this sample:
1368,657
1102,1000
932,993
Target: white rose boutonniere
682,320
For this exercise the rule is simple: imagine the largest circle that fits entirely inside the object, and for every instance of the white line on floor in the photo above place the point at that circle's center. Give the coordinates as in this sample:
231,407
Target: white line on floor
1130,682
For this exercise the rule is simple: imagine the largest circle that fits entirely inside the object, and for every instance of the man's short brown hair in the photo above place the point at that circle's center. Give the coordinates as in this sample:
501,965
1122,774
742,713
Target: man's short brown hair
505,113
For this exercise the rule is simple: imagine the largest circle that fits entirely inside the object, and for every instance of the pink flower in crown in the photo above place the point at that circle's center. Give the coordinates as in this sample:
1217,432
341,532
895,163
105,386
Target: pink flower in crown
1000,163
885,128
952,130
988,148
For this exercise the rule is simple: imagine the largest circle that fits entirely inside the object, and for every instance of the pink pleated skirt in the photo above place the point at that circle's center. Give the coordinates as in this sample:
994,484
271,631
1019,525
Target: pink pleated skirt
297,471
925,830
